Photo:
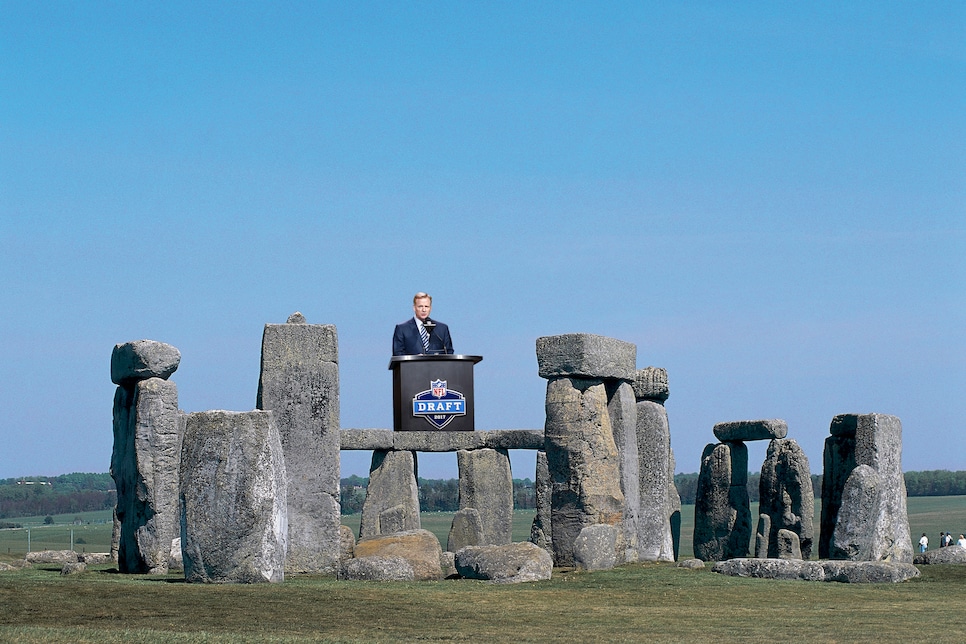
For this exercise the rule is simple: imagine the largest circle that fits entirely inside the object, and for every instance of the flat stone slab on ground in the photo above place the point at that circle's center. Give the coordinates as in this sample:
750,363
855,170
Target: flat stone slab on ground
507,564
851,572
947,555
419,547
377,569
751,430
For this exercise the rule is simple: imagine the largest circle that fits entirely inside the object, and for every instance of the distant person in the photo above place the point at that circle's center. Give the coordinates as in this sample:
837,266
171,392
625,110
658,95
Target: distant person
961,542
948,539
421,334
942,539
923,542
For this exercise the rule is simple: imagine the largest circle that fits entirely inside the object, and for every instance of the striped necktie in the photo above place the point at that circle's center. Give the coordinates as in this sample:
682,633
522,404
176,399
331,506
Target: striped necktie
425,338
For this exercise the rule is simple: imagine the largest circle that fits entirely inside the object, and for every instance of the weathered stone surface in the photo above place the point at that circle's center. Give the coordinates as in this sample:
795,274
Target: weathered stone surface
51,557
651,384
751,430
790,569
233,494
691,564
722,512
466,530
175,556
508,564
377,569
654,453
763,536
583,355
299,381
786,494
540,531
296,318
448,564
75,568
392,484
872,522
595,548
844,425
583,462
347,543
839,461
148,430
143,359
94,558
418,547
788,545
948,555
869,572
513,439
429,441
486,484
622,410
366,439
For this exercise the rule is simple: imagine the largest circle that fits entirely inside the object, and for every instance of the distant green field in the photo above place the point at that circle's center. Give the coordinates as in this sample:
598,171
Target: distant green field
929,514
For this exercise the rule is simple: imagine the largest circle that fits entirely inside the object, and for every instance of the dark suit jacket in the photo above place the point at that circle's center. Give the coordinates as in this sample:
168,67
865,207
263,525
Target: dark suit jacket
406,340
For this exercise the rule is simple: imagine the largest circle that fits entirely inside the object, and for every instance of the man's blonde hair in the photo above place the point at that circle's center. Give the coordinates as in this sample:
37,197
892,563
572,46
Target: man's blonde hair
421,295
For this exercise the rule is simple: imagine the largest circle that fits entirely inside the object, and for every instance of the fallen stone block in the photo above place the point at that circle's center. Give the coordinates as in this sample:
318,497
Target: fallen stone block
74,568
948,555
595,548
51,557
506,564
377,569
419,547
691,564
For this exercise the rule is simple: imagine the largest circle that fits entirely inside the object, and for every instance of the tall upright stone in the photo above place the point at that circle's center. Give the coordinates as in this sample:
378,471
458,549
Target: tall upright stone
582,455
486,484
392,497
872,522
540,530
786,495
654,539
838,463
148,430
299,381
722,510
235,520
622,409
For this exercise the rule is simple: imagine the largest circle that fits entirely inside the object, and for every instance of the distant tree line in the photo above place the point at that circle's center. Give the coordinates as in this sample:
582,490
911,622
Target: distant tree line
48,495
86,492
435,495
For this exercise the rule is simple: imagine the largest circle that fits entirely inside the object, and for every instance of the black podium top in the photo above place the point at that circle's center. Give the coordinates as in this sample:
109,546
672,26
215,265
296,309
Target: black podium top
395,360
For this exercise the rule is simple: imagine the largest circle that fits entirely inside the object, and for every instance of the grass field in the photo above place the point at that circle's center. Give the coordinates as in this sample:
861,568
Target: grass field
642,602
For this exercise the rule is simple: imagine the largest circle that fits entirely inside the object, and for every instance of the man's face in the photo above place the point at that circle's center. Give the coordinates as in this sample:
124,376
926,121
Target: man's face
422,307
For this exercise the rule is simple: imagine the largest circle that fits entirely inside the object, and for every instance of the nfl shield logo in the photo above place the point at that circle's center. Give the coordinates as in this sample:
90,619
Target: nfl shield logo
439,388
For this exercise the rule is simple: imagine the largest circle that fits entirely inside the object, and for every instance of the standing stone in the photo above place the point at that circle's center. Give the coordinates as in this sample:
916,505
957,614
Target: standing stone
788,545
540,533
762,536
392,497
583,461
235,519
839,461
466,530
654,450
872,522
622,409
786,494
722,511
299,381
595,548
148,431
486,484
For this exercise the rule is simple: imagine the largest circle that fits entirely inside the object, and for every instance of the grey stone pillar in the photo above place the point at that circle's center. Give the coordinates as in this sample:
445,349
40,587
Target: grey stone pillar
540,532
722,511
235,519
786,495
148,430
582,455
392,498
838,463
872,522
622,409
486,484
299,381
654,542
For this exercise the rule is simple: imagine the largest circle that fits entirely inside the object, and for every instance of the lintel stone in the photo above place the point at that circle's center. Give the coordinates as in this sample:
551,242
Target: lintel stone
586,355
751,430
430,441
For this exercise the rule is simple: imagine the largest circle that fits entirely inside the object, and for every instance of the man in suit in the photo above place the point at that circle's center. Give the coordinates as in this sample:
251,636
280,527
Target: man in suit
420,334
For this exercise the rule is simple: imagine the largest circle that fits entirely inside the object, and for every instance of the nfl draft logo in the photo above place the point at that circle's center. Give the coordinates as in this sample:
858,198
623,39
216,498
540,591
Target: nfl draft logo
438,404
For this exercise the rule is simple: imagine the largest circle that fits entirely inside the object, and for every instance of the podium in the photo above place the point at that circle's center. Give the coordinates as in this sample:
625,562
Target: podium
433,392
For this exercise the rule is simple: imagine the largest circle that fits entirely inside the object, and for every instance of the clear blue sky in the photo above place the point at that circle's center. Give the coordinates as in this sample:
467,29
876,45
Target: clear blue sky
769,200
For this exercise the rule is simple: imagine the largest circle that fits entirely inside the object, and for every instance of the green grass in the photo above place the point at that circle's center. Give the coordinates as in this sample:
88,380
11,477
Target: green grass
649,602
